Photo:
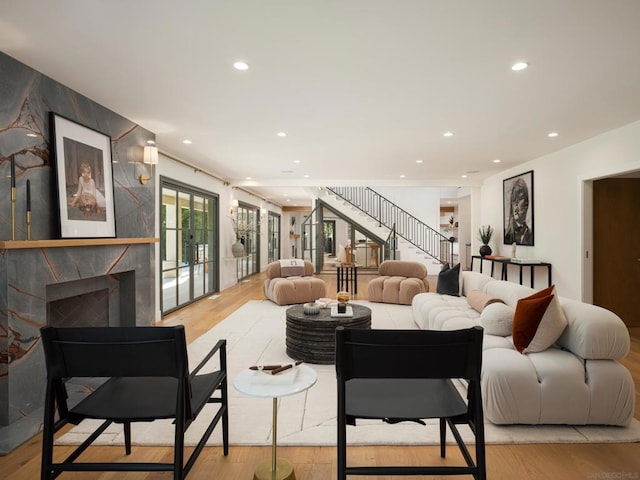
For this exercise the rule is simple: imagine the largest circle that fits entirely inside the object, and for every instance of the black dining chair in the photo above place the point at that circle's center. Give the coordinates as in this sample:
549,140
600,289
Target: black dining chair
410,375
146,377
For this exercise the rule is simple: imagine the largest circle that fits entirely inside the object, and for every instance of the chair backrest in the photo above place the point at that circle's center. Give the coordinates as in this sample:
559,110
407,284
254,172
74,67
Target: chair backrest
402,268
408,354
115,352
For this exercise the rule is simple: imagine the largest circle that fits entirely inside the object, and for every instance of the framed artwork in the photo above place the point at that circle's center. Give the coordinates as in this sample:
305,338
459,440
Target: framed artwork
517,198
85,179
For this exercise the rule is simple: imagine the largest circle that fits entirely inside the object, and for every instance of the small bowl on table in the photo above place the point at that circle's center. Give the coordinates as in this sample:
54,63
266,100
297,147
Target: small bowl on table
312,308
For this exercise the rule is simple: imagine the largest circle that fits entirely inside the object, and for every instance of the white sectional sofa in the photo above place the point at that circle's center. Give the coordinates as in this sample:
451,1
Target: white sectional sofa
577,381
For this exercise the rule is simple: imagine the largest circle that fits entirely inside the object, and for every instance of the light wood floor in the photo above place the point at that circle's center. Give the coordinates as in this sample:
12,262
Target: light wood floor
504,462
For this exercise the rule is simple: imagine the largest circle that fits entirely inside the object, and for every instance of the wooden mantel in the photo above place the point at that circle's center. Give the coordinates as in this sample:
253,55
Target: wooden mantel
73,242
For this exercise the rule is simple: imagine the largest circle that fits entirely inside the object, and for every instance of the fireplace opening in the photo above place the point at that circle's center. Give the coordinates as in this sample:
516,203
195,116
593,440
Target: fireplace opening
103,301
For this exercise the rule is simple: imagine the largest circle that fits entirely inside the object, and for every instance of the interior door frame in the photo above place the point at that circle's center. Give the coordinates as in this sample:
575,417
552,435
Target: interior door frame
585,216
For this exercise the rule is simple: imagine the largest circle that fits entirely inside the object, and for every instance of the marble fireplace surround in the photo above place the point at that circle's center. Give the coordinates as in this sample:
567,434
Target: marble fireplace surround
35,273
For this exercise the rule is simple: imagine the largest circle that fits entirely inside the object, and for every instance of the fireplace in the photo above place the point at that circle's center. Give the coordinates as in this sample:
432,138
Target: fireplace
62,283
102,301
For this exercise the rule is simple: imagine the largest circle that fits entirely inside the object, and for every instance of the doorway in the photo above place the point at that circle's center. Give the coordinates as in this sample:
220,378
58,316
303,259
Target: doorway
616,247
188,244
329,233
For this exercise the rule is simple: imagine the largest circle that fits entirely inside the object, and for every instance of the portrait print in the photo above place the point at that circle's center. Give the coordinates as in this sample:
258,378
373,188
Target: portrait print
85,180
517,198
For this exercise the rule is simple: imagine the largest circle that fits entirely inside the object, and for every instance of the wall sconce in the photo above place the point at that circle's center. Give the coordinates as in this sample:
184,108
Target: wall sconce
234,206
263,213
150,157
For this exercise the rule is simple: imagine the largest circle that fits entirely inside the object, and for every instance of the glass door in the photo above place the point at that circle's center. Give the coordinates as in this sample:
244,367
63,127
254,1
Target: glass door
248,264
273,247
188,245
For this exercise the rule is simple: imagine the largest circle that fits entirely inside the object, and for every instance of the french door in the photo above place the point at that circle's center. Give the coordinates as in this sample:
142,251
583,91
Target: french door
188,244
248,264
273,248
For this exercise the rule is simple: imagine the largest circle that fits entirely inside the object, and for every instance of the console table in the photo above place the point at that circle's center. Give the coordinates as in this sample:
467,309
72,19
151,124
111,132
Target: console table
505,262
347,276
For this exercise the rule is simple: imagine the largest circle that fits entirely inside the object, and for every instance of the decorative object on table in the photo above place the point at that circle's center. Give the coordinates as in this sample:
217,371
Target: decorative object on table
514,249
343,297
311,308
326,302
275,369
85,180
292,230
337,313
484,233
242,228
28,209
517,198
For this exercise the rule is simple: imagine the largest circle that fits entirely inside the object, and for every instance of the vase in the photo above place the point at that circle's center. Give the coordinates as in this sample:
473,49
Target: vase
237,249
485,250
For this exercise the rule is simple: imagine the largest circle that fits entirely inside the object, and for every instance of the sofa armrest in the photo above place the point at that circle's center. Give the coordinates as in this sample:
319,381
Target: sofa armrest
593,332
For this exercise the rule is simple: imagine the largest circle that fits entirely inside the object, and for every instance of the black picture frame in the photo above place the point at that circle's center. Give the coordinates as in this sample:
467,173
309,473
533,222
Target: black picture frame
84,178
517,196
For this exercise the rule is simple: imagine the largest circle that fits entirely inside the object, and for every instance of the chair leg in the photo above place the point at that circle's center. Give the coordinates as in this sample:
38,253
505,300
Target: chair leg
127,437
342,449
178,451
443,437
47,436
225,419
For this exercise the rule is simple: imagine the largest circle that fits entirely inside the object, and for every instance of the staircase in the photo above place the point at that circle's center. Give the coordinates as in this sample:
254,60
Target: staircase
386,220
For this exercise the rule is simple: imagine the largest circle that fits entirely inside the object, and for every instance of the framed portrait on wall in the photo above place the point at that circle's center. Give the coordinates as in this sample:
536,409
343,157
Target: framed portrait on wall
517,197
84,177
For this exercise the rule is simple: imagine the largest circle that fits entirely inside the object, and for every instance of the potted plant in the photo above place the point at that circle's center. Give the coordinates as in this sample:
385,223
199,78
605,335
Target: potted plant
242,229
485,232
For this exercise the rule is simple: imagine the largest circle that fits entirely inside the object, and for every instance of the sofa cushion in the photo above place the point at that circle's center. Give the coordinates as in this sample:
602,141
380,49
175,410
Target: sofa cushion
479,300
449,280
593,332
538,321
402,268
497,319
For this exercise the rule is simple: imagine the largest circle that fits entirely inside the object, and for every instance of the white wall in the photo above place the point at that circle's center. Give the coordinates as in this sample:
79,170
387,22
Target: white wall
559,212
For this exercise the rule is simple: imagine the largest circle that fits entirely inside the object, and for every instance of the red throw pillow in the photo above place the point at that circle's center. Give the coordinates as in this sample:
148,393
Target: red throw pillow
526,320
538,321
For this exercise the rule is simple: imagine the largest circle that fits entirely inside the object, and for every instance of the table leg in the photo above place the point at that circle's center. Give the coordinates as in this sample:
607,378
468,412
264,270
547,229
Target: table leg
276,468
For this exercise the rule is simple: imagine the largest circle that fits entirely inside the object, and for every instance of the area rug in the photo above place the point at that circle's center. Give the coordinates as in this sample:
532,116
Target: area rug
255,334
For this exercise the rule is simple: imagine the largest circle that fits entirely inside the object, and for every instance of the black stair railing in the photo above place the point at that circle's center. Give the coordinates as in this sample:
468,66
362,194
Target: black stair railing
405,225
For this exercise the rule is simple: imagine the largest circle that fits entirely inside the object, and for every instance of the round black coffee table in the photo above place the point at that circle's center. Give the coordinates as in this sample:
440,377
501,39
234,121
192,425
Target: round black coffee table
312,338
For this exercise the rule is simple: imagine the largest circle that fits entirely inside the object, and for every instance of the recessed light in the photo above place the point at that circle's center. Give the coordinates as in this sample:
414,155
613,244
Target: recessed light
516,67
187,142
31,135
497,160
151,142
247,178
281,134
419,161
402,176
241,66
463,176
306,176
552,134
448,134
288,199
296,161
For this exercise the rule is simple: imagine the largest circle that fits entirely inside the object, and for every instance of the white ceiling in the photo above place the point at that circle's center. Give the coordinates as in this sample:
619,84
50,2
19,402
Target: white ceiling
363,88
